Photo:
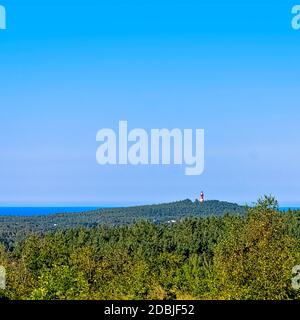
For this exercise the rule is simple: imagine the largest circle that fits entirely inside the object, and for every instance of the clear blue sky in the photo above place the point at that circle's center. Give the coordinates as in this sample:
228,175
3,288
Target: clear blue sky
70,68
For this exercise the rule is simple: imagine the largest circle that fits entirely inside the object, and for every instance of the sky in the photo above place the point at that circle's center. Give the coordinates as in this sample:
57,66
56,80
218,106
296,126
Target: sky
71,68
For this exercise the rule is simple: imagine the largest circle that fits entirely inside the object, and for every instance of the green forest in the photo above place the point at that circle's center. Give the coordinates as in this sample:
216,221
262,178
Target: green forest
248,253
16,228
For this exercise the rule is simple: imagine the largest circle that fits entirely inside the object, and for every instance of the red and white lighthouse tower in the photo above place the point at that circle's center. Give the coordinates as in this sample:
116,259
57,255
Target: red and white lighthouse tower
202,197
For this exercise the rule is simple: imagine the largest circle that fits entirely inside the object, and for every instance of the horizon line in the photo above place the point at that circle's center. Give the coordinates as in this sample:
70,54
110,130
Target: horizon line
121,204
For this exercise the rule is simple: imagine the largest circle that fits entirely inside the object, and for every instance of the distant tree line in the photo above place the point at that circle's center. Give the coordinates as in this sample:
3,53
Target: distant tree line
15,228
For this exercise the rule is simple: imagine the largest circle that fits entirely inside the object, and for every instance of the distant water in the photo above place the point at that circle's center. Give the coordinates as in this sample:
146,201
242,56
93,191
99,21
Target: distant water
289,208
40,211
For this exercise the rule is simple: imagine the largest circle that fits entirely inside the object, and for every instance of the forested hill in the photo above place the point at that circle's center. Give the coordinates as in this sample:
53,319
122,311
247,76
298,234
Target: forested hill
14,228
198,258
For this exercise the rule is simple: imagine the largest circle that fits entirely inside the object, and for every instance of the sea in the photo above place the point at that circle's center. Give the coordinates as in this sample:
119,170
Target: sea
42,211
289,208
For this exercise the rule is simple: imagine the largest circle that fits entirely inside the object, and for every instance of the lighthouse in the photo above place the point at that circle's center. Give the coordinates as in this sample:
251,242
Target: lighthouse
202,197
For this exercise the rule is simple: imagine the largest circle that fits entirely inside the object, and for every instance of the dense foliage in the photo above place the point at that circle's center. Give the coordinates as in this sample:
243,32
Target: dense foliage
15,228
232,256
